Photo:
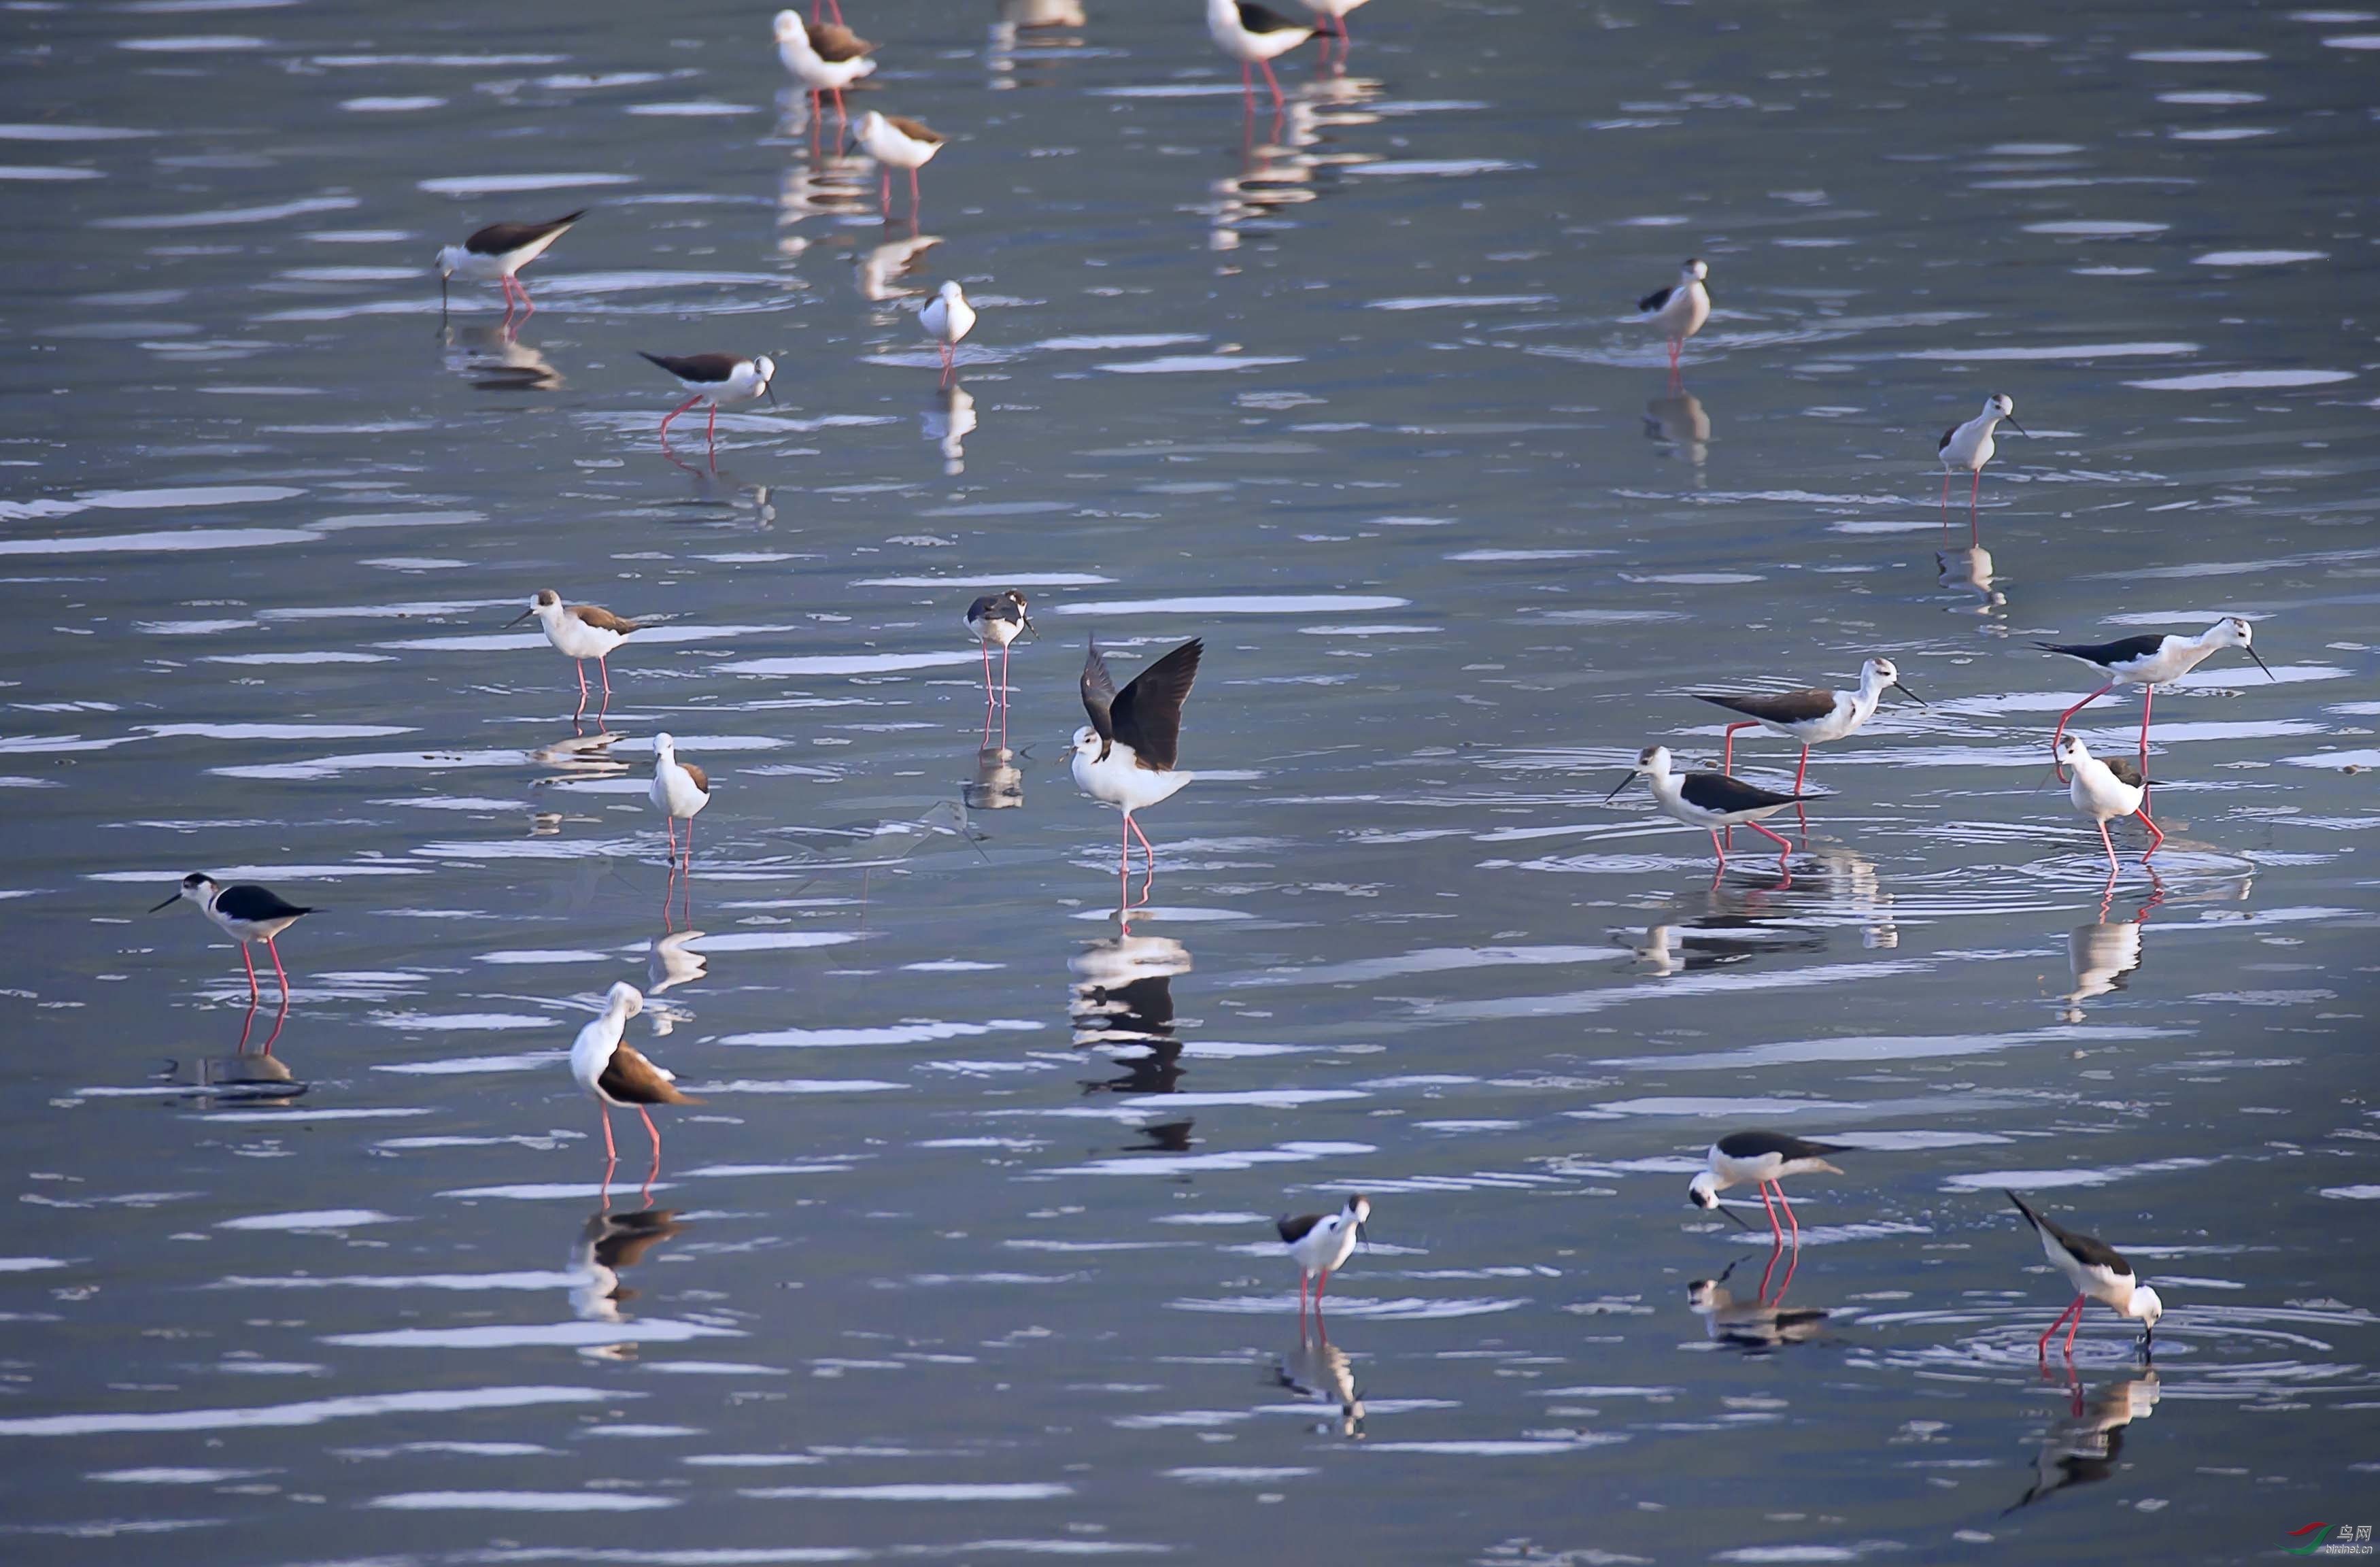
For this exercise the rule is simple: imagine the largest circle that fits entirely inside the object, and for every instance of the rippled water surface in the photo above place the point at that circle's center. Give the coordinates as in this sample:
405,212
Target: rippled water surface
967,1254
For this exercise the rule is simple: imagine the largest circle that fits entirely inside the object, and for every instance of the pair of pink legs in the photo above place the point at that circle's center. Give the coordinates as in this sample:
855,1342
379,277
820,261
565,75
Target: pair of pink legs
2074,1311
1974,491
513,289
255,995
2156,839
990,699
1726,760
612,1157
1677,346
602,668
831,5
248,1023
1338,28
677,862
709,429
1124,858
1320,1284
1765,1188
1248,82
886,195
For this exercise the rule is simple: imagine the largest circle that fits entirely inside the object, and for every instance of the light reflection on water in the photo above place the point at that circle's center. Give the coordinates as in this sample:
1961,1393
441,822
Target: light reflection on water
1354,393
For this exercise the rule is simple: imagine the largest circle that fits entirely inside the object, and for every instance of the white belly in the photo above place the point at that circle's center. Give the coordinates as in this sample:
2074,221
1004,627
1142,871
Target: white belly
677,797
577,639
1120,780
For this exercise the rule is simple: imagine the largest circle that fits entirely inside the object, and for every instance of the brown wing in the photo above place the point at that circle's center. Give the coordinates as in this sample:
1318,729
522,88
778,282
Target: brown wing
2126,770
1295,1230
502,238
916,130
631,1080
702,778
1147,714
838,44
604,620
1098,696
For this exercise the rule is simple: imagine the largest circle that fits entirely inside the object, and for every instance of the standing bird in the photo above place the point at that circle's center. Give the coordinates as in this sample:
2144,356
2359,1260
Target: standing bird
1321,1242
947,318
2150,662
614,1074
1124,756
824,57
895,142
1967,447
1812,717
722,378
579,632
1709,800
679,792
245,913
1680,310
498,251
1762,1159
1333,12
999,618
2105,790
1254,36
2098,1271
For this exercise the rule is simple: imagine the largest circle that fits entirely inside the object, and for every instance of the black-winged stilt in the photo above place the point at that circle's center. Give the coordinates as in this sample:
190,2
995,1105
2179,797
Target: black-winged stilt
579,632
1124,756
1254,36
1680,310
245,913
2097,1271
1333,12
1709,800
822,57
947,318
679,791
498,251
1761,1159
998,618
721,378
1813,717
897,142
1967,447
2103,791
614,1074
2152,661
1320,1244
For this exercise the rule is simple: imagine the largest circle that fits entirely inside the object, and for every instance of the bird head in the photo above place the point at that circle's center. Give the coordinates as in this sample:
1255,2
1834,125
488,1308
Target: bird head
952,293
2145,1306
545,606
764,369
2233,632
2071,750
1651,762
2000,405
1886,675
1016,598
1702,1191
1357,1209
624,999
1694,270
196,886
789,28
450,260
664,747
1086,743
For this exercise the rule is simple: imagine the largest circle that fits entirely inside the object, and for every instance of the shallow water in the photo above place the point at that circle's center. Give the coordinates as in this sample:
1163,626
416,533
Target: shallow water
968,1256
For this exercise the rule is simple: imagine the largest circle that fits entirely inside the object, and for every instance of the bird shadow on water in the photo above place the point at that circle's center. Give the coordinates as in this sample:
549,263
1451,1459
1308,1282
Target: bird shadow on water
1322,1373
1756,1323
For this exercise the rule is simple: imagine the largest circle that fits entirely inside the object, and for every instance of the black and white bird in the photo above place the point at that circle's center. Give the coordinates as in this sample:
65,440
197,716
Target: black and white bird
1125,757
1333,13
1254,36
1761,1159
996,620
824,57
245,913
679,791
579,632
498,252
2104,791
1813,717
2097,1271
1965,448
1320,1244
2152,660
946,319
613,1073
897,142
1680,310
1761,1324
1709,800
721,378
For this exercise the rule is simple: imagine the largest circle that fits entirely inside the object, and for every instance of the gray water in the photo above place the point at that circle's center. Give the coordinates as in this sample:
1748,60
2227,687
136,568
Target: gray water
967,1255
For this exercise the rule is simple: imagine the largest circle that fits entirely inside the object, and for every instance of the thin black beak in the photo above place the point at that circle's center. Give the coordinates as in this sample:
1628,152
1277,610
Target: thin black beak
1902,686
2010,419
2251,652
1617,787
1033,628
768,389
169,903
519,618
1739,1218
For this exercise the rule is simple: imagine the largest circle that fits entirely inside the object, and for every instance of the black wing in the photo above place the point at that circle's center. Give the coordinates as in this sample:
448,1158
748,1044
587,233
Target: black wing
701,369
1147,715
1655,299
994,606
621,1240
2104,654
1098,696
1260,21
503,238
1780,707
2088,1250
1295,1230
1944,444
1717,792
1758,1145
249,901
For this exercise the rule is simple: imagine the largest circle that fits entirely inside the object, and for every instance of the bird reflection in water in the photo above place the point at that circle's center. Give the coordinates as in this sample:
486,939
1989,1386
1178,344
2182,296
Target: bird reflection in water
1047,20
1969,572
822,184
884,272
493,359
2087,1443
998,782
673,961
251,1075
1123,1003
1762,1323
578,757
1320,1373
947,419
607,1243
2104,954
1680,428
1724,925
1281,172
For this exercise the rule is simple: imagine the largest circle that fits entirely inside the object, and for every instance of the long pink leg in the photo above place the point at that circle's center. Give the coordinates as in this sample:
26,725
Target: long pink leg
254,995
2075,1310
674,412
1003,695
2079,1303
710,425
1974,539
528,306
913,196
669,824
946,364
1802,772
610,1152
1772,837
1719,849
1786,1203
1773,1228
603,668
1727,756
1320,1284
2060,732
884,197
2148,699
650,1130
2156,836
1151,852
1277,103
2112,847
1123,862
986,673
278,971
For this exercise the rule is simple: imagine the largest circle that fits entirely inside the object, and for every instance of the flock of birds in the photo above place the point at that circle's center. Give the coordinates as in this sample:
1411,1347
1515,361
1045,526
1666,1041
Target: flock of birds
1127,755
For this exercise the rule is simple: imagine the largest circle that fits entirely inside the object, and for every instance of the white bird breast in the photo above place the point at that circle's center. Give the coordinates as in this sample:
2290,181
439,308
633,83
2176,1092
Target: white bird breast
1121,781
